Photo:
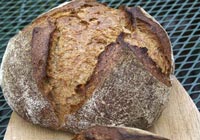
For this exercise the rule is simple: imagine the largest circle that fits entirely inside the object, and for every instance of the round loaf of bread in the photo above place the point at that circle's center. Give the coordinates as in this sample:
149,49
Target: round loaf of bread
84,63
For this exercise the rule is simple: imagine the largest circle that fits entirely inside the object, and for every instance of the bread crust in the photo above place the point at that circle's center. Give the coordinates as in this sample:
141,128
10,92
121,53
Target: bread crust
126,94
156,28
19,86
39,50
125,81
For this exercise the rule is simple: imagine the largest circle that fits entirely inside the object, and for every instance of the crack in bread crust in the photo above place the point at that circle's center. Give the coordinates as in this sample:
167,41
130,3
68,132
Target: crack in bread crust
129,95
149,33
40,48
142,56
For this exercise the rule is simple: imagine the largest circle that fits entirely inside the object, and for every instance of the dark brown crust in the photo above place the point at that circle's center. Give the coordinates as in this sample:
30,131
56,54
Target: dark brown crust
106,62
41,35
143,57
42,41
102,69
39,51
73,5
150,65
115,133
137,13
141,53
118,63
134,12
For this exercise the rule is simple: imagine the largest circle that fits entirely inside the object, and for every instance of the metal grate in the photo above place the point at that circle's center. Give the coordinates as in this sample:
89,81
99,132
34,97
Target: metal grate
181,19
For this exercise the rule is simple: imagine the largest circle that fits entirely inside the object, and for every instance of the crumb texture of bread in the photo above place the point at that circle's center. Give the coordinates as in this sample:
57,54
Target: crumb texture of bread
84,64
116,133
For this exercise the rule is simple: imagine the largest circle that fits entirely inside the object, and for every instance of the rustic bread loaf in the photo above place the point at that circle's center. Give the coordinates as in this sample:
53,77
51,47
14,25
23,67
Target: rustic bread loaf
116,133
84,64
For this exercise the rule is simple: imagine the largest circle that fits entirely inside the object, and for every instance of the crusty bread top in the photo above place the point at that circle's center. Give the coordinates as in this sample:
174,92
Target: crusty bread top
78,37
122,91
74,36
66,46
149,35
81,33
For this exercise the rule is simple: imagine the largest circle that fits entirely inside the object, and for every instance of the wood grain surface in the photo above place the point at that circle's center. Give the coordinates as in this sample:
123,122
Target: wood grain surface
179,121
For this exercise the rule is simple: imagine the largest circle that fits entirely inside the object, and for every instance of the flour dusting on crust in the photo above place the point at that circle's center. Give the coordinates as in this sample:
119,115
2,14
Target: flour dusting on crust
19,87
130,96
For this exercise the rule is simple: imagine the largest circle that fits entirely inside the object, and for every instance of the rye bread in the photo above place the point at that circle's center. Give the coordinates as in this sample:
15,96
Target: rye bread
84,64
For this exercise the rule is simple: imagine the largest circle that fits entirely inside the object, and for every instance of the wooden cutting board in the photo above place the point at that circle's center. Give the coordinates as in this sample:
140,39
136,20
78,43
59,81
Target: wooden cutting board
179,121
